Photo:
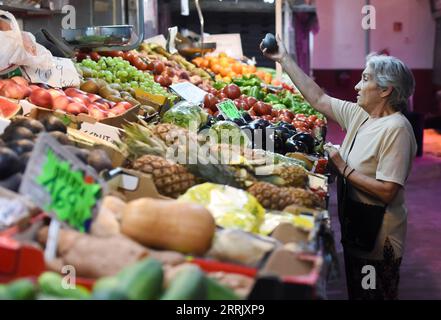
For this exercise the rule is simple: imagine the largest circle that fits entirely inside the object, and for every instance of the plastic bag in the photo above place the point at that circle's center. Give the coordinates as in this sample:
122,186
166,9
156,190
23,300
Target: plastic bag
20,48
230,207
185,114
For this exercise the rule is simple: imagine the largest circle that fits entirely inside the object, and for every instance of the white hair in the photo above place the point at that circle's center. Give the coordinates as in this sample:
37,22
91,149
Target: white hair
392,72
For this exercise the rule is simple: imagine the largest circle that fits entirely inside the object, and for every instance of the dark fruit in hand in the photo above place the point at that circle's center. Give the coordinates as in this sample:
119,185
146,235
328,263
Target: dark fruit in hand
270,43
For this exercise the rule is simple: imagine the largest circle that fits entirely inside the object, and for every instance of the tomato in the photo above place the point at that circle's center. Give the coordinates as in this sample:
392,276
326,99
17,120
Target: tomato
300,117
297,123
262,108
95,56
232,91
210,101
319,123
285,119
252,113
158,67
251,101
312,117
139,64
288,114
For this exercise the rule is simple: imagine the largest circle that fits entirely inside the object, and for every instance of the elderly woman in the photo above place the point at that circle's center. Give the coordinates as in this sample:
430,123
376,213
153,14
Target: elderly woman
373,163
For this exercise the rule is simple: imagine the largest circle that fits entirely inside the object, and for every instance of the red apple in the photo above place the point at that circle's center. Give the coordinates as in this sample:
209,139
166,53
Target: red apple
41,97
34,87
61,102
76,108
93,97
96,112
232,91
125,104
20,80
72,92
55,93
118,109
81,99
251,101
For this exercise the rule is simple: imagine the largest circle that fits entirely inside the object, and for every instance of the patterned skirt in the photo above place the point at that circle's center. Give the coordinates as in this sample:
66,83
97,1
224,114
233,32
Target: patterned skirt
373,279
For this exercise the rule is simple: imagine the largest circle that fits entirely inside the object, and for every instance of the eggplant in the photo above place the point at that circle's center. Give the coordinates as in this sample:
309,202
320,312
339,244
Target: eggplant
277,143
307,139
259,124
246,116
287,125
292,145
240,122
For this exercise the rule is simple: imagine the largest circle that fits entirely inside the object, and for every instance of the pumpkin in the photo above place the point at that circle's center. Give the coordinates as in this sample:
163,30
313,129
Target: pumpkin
169,225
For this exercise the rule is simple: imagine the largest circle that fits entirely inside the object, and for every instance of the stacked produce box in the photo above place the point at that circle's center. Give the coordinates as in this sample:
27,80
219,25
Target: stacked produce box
215,224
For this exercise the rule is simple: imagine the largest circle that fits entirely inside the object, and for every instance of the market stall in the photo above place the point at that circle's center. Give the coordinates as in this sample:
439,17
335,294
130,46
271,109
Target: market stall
159,177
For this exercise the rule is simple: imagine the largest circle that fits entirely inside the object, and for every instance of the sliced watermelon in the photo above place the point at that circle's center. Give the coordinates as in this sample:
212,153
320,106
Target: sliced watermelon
8,109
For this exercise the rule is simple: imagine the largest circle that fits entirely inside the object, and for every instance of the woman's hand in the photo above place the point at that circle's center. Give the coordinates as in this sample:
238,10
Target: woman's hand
335,157
277,56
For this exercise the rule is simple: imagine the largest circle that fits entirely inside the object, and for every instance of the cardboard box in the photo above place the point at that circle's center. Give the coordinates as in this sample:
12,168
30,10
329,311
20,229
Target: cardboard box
86,141
287,233
133,184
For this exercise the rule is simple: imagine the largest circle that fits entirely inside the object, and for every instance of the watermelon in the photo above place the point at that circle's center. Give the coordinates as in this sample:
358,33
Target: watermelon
8,109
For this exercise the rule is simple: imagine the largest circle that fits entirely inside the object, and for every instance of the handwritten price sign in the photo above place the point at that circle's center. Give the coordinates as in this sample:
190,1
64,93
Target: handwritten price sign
61,184
73,194
62,74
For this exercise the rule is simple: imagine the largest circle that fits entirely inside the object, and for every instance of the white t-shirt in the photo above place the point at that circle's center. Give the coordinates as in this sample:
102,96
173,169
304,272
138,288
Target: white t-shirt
384,149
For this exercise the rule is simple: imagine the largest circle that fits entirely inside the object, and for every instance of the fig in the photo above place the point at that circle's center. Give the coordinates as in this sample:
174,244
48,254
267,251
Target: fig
270,43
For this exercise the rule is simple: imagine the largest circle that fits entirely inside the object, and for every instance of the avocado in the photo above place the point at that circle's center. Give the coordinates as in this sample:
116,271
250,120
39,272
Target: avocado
24,159
99,160
9,162
21,146
12,183
34,125
52,123
17,133
270,43
82,154
60,136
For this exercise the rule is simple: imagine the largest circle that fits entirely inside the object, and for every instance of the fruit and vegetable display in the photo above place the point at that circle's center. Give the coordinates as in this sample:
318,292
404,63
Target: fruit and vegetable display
195,203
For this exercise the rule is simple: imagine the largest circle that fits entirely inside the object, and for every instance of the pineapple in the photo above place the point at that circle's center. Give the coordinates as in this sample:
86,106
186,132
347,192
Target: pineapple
283,175
170,179
277,198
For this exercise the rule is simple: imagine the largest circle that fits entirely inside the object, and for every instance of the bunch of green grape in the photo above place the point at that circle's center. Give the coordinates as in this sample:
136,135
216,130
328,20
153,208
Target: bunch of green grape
117,70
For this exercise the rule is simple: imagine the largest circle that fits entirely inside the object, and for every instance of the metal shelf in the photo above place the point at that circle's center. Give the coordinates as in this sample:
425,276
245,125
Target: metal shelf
28,11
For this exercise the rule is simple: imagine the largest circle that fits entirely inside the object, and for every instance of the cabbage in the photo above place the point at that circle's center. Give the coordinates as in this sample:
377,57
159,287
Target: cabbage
230,207
185,114
227,132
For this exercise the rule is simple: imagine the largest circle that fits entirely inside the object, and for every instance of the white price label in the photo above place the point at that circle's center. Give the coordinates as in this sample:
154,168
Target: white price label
189,92
101,131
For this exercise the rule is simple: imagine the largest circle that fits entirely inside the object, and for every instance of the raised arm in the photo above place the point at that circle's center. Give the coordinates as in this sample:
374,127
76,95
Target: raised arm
318,99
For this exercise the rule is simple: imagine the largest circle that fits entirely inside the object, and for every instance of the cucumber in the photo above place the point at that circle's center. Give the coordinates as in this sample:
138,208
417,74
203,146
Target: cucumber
22,289
216,291
108,289
143,280
50,284
4,294
189,284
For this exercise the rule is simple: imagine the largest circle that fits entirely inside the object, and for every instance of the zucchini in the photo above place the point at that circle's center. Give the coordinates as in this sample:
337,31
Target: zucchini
108,289
189,284
216,291
50,284
22,289
143,280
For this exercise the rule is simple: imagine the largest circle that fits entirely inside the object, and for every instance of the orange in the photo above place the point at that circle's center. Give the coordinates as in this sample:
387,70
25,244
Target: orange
216,68
268,77
224,62
197,61
218,77
252,68
205,64
222,55
225,71
227,79
214,61
237,68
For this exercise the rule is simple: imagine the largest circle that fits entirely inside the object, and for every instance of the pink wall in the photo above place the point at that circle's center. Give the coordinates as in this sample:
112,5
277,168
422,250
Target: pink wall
340,41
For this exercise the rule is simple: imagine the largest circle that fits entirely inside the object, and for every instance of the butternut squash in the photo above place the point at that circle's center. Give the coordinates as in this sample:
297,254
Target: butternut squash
169,225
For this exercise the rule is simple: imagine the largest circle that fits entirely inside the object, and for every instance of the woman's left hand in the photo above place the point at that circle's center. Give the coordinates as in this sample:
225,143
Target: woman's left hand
335,157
